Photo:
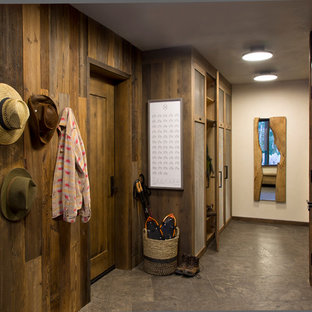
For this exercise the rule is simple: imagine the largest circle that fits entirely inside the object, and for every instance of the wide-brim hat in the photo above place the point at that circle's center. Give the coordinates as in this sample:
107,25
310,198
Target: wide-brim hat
13,115
43,119
18,193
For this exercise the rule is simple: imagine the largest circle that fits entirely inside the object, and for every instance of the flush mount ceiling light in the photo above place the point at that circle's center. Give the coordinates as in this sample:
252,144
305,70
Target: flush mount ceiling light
265,77
257,55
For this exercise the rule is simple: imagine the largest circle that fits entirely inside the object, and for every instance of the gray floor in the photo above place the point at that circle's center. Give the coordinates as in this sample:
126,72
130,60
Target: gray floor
258,267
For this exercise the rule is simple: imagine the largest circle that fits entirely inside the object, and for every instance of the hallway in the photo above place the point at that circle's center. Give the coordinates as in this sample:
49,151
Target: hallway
259,267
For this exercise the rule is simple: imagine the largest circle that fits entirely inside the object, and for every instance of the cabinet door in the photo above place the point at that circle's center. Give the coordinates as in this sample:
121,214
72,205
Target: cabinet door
227,175
220,180
228,104
199,155
221,107
199,160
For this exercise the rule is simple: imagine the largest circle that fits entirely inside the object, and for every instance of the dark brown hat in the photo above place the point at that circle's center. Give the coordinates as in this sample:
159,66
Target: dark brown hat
43,119
18,193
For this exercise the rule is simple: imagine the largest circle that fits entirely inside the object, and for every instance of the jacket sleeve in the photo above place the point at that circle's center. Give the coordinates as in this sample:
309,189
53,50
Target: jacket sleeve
83,178
69,189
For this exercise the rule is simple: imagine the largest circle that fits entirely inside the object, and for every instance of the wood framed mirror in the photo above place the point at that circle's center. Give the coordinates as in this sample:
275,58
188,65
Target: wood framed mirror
270,159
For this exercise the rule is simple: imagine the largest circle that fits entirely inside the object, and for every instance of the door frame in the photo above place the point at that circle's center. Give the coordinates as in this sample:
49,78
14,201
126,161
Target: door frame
310,158
122,158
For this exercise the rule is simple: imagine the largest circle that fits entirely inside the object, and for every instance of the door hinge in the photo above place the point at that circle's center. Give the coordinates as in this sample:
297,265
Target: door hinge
309,205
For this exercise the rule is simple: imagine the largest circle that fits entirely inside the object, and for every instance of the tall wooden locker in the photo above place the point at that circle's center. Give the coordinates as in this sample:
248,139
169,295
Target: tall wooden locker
183,73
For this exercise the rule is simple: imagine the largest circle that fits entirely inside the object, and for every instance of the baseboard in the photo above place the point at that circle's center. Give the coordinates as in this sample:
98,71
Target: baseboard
102,274
201,252
271,221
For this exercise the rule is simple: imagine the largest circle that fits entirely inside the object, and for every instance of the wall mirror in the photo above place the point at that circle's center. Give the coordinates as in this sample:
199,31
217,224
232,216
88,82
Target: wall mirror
270,159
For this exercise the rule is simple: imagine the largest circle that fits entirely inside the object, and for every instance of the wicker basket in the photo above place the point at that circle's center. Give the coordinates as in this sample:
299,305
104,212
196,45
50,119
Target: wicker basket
160,256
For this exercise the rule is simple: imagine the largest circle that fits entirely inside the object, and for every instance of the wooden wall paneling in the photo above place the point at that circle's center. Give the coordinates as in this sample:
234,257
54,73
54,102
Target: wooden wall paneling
11,64
33,298
59,51
44,45
130,56
137,213
74,57
48,156
136,107
146,95
97,41
123,175
257,162
168,75
84,274
64,88
55,42
117,52
12,247
83,56
32,85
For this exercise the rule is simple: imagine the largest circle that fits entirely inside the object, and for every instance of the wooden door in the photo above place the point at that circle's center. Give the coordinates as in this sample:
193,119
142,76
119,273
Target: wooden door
101,170
221,160
310,167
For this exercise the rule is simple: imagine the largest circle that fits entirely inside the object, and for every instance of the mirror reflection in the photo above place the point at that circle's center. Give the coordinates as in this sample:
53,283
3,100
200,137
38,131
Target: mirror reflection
269,160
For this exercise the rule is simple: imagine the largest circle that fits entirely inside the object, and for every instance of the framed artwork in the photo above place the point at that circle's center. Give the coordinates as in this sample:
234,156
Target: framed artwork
165,144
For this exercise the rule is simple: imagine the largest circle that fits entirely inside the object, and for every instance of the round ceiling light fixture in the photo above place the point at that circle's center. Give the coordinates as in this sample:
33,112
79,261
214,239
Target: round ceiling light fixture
265,77
257,55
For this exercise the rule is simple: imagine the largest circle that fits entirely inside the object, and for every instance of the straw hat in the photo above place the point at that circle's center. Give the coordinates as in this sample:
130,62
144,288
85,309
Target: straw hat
13,115
43,119
18,193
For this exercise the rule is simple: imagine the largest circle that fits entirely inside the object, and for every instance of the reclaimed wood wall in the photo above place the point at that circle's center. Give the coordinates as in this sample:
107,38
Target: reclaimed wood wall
167,75
45,48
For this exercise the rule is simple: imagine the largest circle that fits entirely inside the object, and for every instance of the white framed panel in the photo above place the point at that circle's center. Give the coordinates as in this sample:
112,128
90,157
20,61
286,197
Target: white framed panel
165,161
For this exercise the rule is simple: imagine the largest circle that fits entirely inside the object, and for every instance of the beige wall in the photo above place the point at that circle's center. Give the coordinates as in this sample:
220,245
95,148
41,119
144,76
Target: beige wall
288,99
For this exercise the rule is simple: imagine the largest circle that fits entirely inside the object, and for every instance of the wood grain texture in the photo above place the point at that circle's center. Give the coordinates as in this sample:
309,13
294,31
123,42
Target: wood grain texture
167,74
33,298
257,162
12,247
101,160
32,85
310,157
278,126
44,50
123,175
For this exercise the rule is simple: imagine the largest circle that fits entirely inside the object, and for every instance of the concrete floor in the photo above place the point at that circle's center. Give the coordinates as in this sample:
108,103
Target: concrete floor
259,267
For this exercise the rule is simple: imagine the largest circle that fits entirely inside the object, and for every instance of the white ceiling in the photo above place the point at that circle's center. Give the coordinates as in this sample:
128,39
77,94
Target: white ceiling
221,30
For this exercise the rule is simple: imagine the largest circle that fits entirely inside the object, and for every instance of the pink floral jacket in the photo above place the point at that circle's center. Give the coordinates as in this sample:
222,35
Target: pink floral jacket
71,190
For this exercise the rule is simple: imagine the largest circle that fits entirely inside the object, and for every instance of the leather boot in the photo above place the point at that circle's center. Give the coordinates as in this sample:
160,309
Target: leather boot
180,269
192,267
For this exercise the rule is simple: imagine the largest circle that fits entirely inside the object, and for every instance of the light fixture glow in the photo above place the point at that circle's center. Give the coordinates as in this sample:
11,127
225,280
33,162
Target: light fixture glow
255,56
265,77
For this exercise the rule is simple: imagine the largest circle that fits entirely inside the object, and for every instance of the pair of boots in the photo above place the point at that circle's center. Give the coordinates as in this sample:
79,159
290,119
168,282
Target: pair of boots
189,266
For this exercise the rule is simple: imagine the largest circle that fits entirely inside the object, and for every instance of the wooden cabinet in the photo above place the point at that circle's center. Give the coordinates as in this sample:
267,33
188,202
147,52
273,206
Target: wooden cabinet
224,151
211,157
183,73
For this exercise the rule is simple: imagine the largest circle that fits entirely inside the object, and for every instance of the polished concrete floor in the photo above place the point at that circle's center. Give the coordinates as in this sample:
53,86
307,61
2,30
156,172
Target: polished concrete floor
259,267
